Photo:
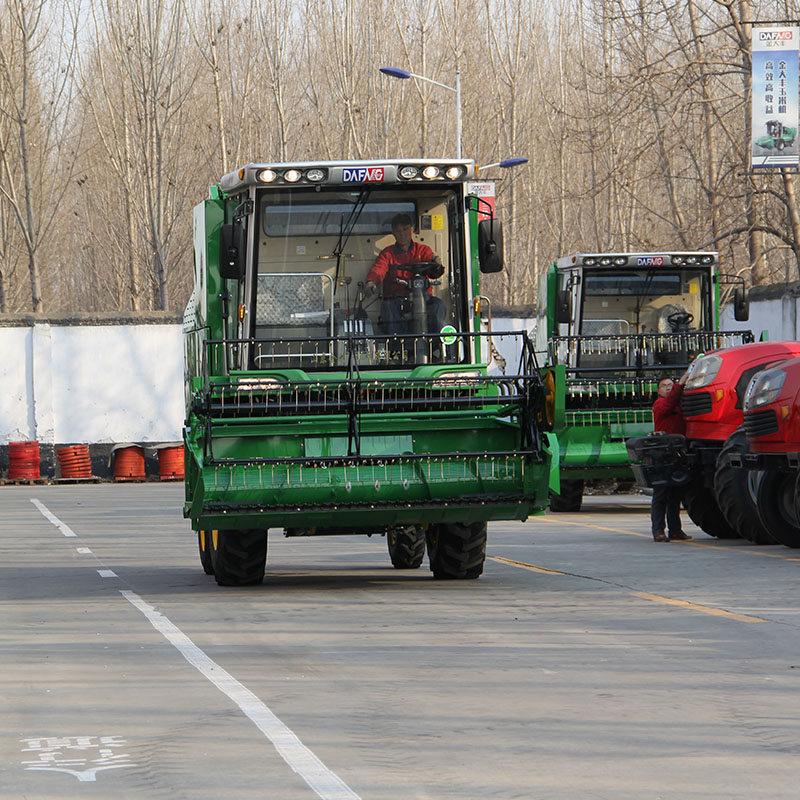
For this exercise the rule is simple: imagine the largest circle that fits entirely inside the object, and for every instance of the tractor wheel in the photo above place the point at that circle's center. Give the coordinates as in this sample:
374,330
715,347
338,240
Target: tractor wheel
456,550
204,545
406,546
779,144
776,506
736,492
239,556
701,505
571,495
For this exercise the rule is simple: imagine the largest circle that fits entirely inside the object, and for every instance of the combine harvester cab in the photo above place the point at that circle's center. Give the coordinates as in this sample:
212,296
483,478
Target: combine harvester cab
721,497
611,324
314,408
772,425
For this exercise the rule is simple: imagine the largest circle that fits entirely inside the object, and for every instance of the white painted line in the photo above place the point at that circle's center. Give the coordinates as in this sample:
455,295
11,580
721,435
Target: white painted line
325,783
107,573
83,550
50,517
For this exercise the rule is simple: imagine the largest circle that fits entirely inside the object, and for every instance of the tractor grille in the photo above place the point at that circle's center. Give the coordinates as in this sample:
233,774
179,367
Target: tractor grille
760,423
696,403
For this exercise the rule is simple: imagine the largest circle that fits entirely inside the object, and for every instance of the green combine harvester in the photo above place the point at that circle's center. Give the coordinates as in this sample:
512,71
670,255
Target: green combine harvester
323,403
610,325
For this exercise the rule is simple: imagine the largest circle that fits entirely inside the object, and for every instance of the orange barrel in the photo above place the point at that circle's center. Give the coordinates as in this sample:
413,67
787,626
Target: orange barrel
75,461
23,460
170,463
129,463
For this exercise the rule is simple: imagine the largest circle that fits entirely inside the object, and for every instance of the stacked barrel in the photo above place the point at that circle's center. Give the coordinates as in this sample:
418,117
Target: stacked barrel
23,461
75,461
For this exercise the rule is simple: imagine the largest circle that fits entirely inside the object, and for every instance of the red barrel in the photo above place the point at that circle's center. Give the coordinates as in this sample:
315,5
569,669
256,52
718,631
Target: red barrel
170,463
23,461
75,461
129,463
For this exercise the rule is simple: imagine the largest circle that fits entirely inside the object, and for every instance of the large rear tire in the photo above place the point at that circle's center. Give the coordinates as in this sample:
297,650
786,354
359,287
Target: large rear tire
776,507
701,505
456,550
406,546
736,492
204,546
571,496
239,557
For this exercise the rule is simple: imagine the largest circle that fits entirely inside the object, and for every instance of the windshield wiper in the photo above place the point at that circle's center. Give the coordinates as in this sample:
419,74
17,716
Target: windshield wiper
346,229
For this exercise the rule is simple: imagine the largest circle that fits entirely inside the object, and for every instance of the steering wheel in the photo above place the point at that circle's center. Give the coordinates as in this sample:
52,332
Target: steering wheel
679,319
419,267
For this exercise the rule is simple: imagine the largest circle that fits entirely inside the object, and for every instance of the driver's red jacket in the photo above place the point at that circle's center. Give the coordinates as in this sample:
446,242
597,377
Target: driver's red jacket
381,269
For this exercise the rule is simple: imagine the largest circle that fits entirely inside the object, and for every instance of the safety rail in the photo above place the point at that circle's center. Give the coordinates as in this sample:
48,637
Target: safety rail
638,353
348,399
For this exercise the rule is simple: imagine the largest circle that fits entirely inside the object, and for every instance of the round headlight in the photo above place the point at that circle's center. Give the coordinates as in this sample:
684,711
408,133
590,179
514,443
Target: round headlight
590,261
315,175
408,173
292,175
678,260
620,261
430,172
764,388
703,371
605,261
267,175
707,259
691,259
454,173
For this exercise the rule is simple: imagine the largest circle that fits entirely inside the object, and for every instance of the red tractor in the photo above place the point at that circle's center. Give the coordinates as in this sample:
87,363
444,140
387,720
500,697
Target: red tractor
772,425
721,498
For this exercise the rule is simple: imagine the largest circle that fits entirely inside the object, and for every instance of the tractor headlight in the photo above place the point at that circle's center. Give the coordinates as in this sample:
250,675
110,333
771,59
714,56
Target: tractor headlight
454,173
315,175
764,388
430,172
408,173
292,175
678,260
703,371
621,261
267,175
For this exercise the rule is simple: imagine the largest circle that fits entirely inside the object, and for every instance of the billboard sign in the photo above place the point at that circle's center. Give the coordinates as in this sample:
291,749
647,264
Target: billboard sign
774,113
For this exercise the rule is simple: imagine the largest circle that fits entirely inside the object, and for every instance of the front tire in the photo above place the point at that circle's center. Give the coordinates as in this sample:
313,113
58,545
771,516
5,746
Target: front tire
406,546
456,550
239,557
736,492
776,507
701,505
204,546
571,496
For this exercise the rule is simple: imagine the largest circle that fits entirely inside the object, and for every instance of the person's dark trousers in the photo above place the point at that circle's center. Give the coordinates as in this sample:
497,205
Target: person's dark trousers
666,504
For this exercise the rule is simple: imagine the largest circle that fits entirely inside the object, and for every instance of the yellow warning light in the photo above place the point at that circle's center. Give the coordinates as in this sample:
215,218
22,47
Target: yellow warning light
241,312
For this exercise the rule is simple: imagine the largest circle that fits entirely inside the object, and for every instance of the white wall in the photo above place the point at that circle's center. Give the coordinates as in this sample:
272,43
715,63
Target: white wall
91,383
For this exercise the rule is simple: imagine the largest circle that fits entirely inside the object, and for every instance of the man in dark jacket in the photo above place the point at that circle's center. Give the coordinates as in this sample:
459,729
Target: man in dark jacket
668,417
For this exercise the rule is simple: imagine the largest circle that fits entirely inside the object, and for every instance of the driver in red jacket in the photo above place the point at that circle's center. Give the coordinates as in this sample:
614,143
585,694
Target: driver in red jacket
388,269
666,503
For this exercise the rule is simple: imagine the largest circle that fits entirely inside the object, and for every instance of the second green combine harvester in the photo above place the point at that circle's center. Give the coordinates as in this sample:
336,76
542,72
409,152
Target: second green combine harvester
610,324
314,410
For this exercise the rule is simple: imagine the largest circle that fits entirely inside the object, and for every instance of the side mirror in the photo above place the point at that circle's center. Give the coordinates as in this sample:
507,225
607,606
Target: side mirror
490,245
563,307
741,306
232,250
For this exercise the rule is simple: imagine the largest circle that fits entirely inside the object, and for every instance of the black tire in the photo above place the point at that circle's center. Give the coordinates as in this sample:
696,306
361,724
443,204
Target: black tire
571,496
776,507
239,556
701,506
736,492
204,546
406,546
456,550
